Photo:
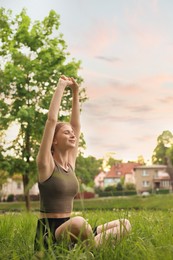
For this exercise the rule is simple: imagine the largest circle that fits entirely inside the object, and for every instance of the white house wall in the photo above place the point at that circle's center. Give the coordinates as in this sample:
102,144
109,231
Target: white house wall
16,188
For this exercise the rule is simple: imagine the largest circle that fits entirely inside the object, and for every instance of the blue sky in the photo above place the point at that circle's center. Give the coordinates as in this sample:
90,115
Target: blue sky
126,49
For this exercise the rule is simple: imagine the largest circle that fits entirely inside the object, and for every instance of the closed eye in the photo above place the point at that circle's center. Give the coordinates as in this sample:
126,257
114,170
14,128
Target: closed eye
69,132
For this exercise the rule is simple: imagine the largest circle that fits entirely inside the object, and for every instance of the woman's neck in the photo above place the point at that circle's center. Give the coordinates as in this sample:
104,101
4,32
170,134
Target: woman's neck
62,160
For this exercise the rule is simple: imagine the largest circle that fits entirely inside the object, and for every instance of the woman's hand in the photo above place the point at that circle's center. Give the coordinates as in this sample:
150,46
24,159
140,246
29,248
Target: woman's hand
67,81
74,85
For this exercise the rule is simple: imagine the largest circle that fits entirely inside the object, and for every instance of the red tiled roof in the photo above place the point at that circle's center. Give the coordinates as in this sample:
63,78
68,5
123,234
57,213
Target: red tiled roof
121,169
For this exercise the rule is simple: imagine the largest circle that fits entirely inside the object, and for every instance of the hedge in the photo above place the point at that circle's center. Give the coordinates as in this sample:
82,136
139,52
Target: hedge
116,193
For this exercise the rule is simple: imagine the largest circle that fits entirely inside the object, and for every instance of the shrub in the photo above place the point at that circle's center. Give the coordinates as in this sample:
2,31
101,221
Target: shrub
10,198
97,189
119,186
117,193
162,191
130,186
20,197
110,188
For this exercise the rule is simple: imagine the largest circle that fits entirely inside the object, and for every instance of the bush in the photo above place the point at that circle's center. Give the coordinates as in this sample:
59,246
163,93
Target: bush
117,193
110,188
162,192
97,189
119,186
10,198
130,186
20,197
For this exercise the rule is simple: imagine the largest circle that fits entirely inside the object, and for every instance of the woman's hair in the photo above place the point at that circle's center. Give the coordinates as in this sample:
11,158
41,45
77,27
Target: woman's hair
57,128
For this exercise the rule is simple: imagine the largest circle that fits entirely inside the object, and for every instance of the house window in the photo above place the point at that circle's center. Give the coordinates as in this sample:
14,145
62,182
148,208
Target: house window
165,184
144,173
156,174
145,184
19,186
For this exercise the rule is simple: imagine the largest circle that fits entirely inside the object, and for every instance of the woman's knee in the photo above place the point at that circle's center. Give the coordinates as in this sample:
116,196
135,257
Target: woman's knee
126,225
80,225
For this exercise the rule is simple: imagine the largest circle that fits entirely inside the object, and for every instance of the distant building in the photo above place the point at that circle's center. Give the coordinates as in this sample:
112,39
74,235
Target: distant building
99,179
15,186
151,178
118,171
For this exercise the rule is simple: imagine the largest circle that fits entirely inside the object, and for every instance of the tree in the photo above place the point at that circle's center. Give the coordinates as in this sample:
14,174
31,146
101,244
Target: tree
112,161
169,155
33,57
4,165
87,168
164,144
141,159
109,160
169,169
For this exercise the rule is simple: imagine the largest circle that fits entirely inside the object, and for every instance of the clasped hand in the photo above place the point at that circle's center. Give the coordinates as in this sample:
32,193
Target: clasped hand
69,81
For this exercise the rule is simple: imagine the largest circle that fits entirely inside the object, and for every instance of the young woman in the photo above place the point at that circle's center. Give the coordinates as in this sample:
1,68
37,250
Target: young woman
58,184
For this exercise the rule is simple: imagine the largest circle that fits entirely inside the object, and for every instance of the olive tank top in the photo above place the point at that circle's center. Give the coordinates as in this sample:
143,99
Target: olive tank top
58,191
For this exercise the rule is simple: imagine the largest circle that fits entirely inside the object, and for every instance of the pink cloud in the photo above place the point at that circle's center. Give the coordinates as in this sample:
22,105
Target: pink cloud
97,39
156,81
147,34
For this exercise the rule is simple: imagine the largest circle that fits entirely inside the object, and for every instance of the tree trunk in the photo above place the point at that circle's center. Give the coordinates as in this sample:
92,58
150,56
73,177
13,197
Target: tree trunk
26,174
169,170
26,191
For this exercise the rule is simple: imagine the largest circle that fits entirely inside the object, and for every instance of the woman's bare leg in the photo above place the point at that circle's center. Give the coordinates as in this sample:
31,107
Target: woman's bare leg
116,229
76,228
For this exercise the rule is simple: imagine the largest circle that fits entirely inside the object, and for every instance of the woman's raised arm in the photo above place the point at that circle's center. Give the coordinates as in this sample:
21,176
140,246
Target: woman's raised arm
75,121
44,158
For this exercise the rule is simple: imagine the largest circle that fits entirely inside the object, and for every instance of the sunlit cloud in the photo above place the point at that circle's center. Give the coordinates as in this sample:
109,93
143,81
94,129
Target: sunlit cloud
167,100
126,49
140,108
108,59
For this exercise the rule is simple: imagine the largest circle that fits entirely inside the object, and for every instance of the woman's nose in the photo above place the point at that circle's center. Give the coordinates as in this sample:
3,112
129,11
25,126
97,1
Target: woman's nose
73,135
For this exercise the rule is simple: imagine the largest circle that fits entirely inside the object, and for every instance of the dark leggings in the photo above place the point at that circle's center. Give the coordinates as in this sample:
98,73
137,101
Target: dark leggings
45,232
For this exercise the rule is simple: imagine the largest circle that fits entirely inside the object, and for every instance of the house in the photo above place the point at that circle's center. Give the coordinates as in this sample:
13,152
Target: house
119,171
14,186
99,180
151,178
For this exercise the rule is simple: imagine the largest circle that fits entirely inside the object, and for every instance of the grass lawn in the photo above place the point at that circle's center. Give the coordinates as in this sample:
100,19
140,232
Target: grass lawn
151,237
153,202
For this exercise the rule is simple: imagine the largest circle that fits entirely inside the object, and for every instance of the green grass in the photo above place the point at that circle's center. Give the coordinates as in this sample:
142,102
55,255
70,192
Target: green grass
153,202
151,237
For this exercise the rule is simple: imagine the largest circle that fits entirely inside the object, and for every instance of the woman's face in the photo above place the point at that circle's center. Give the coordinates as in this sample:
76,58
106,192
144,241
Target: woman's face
65,137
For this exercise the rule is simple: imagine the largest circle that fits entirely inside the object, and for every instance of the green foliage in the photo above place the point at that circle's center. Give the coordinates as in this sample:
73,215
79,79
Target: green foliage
115,193
87,168
110,188
141,160
10,198
119,186
130,186
3,177
33,56
169,153
164,147
112,161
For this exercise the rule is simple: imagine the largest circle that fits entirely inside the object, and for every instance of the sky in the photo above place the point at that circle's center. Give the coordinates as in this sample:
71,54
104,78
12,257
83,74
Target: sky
126,49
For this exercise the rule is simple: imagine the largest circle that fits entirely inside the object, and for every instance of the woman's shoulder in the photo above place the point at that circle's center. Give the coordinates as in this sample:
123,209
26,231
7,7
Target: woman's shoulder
45,171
